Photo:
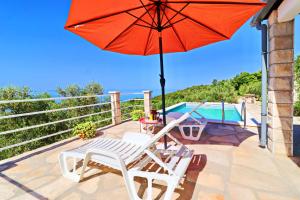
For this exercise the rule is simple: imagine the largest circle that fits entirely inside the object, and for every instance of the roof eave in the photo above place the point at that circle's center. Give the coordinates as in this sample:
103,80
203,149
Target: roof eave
265,12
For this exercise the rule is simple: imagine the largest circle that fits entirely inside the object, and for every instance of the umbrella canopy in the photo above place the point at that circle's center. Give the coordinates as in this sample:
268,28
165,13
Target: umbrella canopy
131,26
145,27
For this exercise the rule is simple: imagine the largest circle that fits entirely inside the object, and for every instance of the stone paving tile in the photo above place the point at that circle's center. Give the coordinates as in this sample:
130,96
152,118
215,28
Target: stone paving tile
73,196
228,164
6,191
212,180
237,192
274,196
265,165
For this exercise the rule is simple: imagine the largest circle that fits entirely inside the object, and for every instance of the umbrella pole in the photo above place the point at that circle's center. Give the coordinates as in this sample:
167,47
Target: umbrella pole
162,83
162,75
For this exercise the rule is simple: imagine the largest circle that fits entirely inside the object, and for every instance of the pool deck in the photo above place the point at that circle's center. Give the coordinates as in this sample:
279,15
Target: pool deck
230,166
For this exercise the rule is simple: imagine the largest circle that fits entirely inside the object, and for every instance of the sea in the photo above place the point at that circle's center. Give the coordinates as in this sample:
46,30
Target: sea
125,93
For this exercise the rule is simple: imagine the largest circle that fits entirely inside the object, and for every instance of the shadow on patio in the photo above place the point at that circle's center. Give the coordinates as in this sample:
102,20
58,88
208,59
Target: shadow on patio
217,134
296,148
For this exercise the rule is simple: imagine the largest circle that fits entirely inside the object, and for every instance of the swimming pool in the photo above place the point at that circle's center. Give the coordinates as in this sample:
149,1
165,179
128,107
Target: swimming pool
210,111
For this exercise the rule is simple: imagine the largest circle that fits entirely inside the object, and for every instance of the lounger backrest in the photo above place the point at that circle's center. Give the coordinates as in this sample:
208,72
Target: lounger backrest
169,127
161,134
166,130
158,136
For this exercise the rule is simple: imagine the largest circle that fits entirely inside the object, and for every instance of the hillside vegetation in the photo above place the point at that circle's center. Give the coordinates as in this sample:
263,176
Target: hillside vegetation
227,90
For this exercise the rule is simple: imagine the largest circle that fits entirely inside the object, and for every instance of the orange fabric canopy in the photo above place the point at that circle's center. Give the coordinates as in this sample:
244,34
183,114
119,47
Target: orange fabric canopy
130,26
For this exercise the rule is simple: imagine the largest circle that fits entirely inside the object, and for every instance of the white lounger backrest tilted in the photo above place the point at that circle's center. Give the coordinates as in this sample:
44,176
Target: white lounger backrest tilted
158,136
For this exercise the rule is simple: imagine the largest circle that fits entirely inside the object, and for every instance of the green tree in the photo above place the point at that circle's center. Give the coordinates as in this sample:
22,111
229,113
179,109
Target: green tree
245,78
12,93
297,75
251,88
297,85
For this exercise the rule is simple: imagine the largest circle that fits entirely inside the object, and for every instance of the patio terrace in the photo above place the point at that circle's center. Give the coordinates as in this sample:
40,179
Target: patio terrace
228,165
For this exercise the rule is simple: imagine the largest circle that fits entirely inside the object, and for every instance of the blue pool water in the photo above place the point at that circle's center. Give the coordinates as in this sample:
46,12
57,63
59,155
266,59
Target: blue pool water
210,111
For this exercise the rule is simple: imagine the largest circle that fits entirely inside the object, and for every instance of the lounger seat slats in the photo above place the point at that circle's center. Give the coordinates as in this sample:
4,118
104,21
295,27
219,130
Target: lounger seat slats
124,149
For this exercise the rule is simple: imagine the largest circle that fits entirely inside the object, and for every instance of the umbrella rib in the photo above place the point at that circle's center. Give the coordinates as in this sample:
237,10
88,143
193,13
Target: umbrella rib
200,23
216,2
148,38
140,19
117,37
170,24
163,13
148,12
149,27
102,17
169,20
176,33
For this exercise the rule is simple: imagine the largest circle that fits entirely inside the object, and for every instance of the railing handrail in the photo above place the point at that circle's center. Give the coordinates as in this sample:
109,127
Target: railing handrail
50,111
131,93
43,137
51,123
49,99
134,99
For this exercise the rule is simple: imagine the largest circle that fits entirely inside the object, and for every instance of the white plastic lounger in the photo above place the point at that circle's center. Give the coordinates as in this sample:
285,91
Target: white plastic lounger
191,128
133,147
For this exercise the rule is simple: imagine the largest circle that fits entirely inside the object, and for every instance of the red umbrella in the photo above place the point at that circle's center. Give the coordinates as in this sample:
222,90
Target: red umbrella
138,26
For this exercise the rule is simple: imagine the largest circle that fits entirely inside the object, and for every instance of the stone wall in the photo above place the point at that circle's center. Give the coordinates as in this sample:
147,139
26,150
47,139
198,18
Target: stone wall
280,86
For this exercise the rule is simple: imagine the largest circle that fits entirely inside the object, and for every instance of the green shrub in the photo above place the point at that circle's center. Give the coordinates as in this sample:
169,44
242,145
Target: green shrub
137,114
251,88
297,108
85,130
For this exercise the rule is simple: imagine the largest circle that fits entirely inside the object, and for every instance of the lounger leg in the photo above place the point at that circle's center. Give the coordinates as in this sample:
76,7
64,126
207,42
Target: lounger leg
170,190
74,165
149,189
85,162
129,181
65,170
63,164
183,134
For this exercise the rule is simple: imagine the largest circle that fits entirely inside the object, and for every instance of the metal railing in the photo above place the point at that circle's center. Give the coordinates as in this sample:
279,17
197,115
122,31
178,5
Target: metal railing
98,108
223,112
244,113
126,110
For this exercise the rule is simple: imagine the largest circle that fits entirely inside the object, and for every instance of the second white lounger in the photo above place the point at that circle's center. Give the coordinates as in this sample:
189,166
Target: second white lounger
192,127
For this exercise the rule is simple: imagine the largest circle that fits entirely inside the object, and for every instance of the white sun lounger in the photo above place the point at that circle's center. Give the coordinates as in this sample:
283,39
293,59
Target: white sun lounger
191,128
133,147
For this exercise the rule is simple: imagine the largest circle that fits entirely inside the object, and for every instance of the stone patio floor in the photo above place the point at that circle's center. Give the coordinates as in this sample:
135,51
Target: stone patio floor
230,165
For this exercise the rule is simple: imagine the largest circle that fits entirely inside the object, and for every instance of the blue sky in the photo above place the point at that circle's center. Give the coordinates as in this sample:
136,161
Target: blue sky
37,52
